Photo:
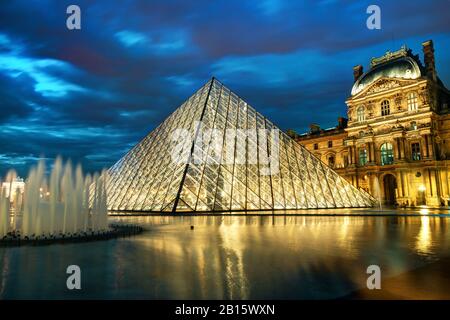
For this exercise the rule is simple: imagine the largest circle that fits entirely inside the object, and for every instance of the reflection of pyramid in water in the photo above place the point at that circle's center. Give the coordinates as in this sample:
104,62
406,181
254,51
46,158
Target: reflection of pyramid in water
148,179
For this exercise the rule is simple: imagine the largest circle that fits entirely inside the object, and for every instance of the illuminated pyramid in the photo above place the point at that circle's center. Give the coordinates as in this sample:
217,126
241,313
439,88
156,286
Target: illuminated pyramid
216,153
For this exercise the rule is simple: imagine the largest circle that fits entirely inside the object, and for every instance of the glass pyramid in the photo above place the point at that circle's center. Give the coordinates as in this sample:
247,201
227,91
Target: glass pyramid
214,153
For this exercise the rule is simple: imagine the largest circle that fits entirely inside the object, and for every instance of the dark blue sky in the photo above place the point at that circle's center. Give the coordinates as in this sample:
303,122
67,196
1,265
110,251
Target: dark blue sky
91,94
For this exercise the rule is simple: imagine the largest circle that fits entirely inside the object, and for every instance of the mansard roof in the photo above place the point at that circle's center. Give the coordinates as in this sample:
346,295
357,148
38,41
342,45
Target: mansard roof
399,64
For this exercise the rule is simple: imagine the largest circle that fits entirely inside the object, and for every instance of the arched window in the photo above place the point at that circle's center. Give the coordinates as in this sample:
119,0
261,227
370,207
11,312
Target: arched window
385,108
331,161
387,154
360,114
412,101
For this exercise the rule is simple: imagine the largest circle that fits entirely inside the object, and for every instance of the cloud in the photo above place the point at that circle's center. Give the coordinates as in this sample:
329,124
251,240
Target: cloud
158,42
91,94
130,38
14,64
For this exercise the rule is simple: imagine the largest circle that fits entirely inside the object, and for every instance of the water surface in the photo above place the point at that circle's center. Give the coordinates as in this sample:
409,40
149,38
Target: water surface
229,257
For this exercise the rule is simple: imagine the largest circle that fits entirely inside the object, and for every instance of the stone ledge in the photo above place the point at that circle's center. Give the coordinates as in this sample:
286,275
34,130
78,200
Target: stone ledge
114,231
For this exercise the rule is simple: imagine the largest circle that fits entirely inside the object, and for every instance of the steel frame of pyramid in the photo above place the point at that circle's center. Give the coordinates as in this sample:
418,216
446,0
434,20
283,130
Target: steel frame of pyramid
149,178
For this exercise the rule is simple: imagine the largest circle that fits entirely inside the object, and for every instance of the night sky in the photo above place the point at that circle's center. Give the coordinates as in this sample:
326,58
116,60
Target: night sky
91,94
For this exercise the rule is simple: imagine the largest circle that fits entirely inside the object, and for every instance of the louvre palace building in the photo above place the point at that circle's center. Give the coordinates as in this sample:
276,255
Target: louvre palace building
395,143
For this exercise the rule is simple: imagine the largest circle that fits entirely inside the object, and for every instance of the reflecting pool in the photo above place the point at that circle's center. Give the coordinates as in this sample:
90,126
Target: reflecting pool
230,257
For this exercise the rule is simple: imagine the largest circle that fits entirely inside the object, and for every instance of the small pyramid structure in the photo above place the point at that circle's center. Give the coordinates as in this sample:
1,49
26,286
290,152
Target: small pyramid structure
217,153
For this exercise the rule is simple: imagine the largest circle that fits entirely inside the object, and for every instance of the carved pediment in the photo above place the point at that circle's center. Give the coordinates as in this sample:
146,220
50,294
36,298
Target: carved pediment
384,84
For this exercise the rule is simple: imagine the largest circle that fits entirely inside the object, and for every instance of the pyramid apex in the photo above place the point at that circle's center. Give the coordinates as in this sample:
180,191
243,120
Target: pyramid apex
214,80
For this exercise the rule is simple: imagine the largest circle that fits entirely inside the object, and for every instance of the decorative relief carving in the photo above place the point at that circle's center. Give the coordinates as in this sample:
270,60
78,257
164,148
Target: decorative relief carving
350,112
398,98
383,85
385,129
424,97
402,52
370,107
398,126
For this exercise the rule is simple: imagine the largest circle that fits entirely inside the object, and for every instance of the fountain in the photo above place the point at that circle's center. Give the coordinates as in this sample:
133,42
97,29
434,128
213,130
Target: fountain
69,206
377,190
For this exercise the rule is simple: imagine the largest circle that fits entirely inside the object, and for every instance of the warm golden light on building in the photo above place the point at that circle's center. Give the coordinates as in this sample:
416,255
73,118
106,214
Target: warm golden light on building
395,142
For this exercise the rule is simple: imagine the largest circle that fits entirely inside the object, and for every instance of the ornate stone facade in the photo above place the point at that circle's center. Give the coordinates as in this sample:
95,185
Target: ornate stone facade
397,142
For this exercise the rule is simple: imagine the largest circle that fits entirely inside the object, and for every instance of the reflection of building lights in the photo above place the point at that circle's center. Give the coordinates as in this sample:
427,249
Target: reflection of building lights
422,188
423,243
424,211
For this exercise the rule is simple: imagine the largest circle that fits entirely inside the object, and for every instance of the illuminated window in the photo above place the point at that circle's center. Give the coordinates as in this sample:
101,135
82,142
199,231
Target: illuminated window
360,114
412,101
415,151
385,108
362,157
387,154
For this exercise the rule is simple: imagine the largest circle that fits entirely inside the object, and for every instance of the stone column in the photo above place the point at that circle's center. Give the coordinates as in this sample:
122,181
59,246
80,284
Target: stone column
353,150
402,148
396,155
399,184
350,155
406,148
432,182
443,182
446,182
405,181
431,146
436,180
374,154
426,182
435,199
423,144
